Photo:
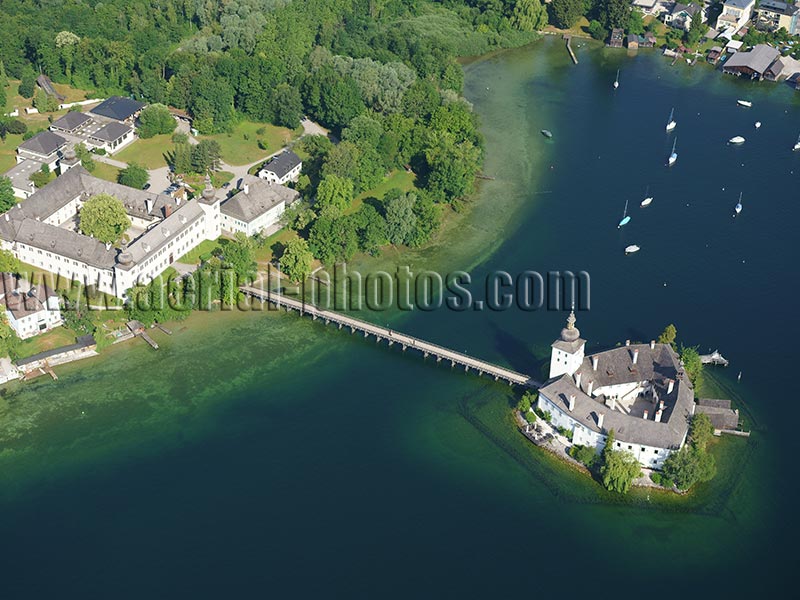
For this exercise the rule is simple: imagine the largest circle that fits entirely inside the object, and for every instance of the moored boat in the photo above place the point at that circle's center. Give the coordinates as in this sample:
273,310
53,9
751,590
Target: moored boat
745,103
738,207
758,124
674,155
546,133
616,81
625,218
631,249
648,198
736,140
797,144
671,122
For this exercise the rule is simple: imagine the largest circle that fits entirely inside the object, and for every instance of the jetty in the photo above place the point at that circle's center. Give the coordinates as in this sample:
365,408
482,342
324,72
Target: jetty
137,329
715,358
569,48
391,336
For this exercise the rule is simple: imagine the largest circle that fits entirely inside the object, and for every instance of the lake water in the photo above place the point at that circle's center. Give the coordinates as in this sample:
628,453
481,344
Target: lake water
263,453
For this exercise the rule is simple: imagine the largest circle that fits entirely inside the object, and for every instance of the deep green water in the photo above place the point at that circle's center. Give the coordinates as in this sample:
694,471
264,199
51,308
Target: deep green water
263,454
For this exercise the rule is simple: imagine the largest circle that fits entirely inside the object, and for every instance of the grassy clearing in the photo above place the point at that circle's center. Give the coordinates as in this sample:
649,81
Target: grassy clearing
240,147
60,336
193,256
8,152
105,171
396,179
150,153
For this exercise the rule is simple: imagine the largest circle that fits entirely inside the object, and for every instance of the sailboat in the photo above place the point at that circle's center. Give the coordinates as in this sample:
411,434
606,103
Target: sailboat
671,122
631,249
616,81
738,207
648,198
758,124
625,218
745,103
797,145
674,156
736,140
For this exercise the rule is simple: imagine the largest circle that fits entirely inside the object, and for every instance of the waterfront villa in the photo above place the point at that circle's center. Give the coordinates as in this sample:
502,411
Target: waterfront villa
282,169
256,207
771,15
682,15
638,390
735,15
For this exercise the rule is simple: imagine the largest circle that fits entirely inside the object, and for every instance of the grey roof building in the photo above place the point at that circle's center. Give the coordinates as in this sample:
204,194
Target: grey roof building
118,108
111,132
753,63
255,198
44,144
71,122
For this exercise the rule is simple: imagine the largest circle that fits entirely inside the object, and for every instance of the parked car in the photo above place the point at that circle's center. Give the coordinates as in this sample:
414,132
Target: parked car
226,185
146,186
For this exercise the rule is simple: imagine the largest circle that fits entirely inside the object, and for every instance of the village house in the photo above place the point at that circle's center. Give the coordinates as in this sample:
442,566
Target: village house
682,15
29,309
71,123
283,168
735,15
714,55
640,391
772,15
45,148
256,207
111,137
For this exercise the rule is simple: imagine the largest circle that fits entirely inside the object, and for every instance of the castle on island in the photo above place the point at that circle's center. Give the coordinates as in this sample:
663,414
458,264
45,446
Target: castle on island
640,391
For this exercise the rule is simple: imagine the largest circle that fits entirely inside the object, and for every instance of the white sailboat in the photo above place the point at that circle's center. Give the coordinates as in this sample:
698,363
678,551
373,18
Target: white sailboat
674,155
631,249
616,81
671,122
738,207
736,140
648,198
797,145
625,218
745,103
758,124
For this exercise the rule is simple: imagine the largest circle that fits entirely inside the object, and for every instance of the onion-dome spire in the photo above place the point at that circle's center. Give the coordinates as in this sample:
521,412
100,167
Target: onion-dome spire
208,191
570,333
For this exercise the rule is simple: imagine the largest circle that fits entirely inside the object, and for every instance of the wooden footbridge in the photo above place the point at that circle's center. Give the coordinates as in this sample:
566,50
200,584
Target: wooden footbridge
392,337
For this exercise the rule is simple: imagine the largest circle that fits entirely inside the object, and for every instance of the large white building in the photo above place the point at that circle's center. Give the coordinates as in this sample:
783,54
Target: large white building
29,309
42,229
735,15
282,168
638,390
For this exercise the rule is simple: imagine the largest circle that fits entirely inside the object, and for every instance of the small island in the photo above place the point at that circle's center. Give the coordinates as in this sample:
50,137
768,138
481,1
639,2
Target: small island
626,409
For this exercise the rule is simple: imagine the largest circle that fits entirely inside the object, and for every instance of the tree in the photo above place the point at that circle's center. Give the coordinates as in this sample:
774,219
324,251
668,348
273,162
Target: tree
528,15
690,465
103,216
636,23
156,119
332,98
8,337
451,167
619,470
7,198
567,12
8,262
701,430
287,106
668,335
133,176
335,193
614,13
43,102
83,154
371,229
239,255
696,31
205,156
27,83
596,30
690,358
296,260
41,177
333,238
421,99
400,218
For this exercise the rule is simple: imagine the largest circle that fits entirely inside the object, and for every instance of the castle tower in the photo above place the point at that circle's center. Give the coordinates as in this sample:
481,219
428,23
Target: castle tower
210,204
567,354
69,161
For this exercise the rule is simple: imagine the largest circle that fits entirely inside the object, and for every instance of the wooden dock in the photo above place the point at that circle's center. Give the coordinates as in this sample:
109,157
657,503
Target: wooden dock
715,358
393,337
570,50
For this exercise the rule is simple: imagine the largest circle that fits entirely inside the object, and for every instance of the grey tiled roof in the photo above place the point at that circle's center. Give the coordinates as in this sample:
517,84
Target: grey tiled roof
282,163
721,418
66,243
83,341
261,197
118,108
15,294
714,402
111,131
44,143
71,121
758,59
570,347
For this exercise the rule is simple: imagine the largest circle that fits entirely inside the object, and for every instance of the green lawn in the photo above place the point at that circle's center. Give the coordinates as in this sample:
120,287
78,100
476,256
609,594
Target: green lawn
8,152
105,171
236,150
193,256
396,179
60,336
150,153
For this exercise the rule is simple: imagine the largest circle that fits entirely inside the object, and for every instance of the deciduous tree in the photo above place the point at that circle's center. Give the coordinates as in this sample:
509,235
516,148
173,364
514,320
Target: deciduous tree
133,176
297,259
156,119
7,198
103,217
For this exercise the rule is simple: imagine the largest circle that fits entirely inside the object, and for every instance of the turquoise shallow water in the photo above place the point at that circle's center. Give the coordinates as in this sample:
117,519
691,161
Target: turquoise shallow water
260,454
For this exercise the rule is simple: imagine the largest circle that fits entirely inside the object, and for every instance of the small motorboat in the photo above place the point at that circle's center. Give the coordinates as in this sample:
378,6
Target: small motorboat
745,103
758,124
546,133
738,207
736,140
631,249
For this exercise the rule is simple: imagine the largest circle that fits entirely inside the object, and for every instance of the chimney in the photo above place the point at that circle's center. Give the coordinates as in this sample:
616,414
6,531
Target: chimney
572,402
595,360
670,385
652,344
645,415
635,355
246,188
589,388
148,205
661,405
6,215
578,380
614,403
627,342
600,417
108,245
167,210
177,200
658,415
